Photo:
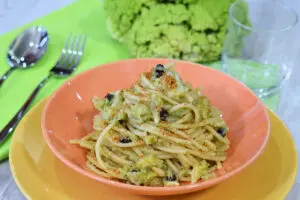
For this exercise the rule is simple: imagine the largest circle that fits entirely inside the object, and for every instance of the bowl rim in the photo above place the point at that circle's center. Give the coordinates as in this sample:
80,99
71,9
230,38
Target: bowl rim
148,189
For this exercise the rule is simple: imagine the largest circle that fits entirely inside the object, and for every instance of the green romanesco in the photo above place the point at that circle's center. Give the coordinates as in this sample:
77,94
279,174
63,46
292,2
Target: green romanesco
183,29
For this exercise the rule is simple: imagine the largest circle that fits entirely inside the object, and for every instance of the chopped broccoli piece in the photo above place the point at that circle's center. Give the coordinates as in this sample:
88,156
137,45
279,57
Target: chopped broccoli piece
150,139
150,161
141,112
199,171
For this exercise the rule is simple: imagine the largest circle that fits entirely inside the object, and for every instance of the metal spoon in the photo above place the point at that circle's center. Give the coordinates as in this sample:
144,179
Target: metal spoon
26,49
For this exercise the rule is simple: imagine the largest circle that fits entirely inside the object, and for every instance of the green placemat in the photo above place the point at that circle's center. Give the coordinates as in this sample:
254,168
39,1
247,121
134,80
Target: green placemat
80,17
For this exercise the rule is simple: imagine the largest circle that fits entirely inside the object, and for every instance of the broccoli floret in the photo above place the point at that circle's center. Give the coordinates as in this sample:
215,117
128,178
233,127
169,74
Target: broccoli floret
120,15
150,139
150,161
141,112
183,29
199,171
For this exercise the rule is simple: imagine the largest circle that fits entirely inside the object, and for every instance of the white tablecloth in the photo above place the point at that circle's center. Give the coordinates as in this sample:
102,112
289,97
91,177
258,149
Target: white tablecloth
10,18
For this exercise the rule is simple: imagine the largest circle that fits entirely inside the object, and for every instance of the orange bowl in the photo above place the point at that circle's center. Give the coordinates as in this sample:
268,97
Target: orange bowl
69,113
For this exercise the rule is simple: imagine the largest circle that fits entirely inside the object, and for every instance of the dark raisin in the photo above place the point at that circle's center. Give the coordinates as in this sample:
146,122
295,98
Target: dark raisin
125,140
159,70
109,96
222,131
170,178
191,167
163,114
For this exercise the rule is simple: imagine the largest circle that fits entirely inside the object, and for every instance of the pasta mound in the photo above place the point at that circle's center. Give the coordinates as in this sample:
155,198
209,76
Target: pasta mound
159,132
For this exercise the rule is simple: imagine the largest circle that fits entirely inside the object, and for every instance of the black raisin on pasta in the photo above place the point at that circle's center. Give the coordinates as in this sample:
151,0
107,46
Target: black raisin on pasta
159,70
109,96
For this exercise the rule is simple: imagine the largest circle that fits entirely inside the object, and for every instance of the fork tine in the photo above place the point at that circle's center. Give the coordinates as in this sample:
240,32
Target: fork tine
70,56
70,50
69,53
63,52
80,52
83,44
75,51
68,40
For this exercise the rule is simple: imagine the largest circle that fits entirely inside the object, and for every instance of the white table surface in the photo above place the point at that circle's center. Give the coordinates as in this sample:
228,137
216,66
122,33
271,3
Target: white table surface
288,108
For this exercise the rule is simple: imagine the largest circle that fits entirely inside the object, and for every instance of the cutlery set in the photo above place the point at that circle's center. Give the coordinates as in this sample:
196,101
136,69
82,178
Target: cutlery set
26,50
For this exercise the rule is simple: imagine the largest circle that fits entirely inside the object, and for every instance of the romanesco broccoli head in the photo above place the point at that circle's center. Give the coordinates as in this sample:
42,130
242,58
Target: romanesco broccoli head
182,29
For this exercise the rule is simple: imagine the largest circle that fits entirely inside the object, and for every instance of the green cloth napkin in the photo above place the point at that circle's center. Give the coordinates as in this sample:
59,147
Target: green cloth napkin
80,17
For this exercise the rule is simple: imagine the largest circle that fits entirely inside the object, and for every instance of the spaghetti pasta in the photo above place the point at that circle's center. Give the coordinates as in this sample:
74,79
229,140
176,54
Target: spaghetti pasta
159,132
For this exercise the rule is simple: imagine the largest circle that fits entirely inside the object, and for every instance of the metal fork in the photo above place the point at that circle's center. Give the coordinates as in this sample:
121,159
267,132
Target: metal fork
66,64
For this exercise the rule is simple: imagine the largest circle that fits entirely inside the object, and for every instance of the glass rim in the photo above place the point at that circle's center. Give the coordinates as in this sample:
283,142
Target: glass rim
287,8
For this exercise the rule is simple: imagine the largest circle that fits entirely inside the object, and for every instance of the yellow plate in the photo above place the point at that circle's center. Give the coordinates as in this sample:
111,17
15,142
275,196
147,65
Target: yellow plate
40,175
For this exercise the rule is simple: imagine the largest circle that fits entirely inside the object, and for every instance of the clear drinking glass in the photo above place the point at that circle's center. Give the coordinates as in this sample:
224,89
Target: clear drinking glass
258,48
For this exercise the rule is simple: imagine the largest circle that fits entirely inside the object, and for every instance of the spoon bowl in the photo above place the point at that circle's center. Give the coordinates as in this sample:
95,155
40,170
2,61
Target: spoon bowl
26,49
